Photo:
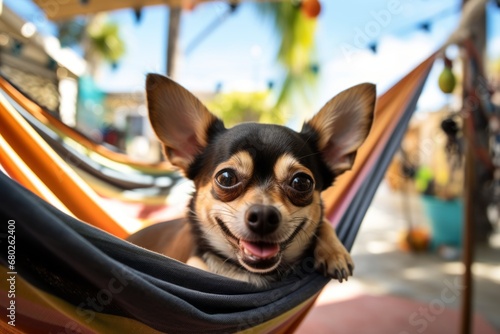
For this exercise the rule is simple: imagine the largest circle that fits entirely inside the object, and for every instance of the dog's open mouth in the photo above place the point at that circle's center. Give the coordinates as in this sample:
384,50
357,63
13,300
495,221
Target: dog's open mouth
259,257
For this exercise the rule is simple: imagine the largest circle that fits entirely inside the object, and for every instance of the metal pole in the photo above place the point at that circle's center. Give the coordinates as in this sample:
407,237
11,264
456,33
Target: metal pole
174,20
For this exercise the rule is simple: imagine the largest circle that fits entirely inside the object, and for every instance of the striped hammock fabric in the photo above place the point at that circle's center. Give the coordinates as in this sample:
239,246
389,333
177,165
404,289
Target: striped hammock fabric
69,269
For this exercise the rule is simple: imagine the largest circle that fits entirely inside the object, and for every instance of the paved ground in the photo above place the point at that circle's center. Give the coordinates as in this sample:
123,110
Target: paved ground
414,292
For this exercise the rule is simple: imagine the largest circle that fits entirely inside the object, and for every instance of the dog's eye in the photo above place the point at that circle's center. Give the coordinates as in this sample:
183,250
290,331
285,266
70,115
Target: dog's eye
226,178
301,182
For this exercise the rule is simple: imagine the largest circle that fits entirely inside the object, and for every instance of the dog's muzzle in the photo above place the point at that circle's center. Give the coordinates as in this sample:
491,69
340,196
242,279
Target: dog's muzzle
258,256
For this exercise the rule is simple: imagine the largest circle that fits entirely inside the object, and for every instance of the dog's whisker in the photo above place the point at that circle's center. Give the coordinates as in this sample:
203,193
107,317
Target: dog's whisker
229,206
309,155
222,213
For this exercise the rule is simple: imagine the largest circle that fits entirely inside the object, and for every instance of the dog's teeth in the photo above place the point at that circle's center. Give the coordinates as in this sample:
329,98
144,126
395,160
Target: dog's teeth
248,253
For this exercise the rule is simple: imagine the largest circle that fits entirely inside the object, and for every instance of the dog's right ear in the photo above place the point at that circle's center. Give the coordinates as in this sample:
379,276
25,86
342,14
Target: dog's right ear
179,119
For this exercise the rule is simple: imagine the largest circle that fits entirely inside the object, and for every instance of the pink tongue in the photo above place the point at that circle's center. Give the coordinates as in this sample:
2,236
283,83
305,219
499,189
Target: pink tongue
264,251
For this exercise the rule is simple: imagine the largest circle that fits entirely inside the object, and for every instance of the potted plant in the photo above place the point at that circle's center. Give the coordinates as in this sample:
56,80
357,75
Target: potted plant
441,187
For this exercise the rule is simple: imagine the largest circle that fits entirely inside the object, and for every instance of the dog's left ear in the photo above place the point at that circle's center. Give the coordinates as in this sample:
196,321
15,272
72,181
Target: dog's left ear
343,124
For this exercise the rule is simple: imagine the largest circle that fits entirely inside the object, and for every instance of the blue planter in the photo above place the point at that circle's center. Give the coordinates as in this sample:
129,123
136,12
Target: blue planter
446,219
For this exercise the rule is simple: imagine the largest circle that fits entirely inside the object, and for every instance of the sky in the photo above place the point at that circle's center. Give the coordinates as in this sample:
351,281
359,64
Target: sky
240,53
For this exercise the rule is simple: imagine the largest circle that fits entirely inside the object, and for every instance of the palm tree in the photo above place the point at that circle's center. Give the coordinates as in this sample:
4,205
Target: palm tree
98,39
296,53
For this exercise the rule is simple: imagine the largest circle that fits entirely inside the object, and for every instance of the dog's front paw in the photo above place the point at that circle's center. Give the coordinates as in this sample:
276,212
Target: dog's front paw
330,256
331,262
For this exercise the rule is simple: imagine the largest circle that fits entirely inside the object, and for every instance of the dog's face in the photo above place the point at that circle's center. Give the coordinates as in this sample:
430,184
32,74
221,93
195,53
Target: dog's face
258,195
257,201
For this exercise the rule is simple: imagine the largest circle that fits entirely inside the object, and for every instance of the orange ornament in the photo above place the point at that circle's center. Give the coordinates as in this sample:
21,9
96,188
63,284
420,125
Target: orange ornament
188,5
311,8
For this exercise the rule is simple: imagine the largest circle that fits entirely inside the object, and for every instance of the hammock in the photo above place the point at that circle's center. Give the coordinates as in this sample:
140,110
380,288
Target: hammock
119,175
143,196
72,276
85,144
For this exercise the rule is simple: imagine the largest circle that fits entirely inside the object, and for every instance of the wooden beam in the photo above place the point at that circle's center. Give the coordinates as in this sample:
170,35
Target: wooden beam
63,10
472,196
66,9
468,232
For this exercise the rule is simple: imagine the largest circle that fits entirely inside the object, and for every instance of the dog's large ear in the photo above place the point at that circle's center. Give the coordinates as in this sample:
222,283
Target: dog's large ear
343,124
179,119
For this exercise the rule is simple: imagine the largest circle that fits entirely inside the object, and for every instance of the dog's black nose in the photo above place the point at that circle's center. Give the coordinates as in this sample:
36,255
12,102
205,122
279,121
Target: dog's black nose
262,219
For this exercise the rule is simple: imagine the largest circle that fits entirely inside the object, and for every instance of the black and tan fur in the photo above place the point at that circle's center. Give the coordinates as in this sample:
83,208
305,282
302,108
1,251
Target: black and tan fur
257,207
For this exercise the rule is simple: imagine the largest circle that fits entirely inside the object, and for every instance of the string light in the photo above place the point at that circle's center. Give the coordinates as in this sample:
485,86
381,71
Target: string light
211,27
424,25
4,39
28,29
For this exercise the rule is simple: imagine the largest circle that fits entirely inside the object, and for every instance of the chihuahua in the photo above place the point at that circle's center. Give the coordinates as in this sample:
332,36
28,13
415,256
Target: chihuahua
256,210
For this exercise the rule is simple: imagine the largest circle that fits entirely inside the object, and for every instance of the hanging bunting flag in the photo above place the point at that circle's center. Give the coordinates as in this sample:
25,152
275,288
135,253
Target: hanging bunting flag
138,14
314,68
425,26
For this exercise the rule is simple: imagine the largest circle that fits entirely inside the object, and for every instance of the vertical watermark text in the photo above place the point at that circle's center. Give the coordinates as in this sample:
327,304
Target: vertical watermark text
11,273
